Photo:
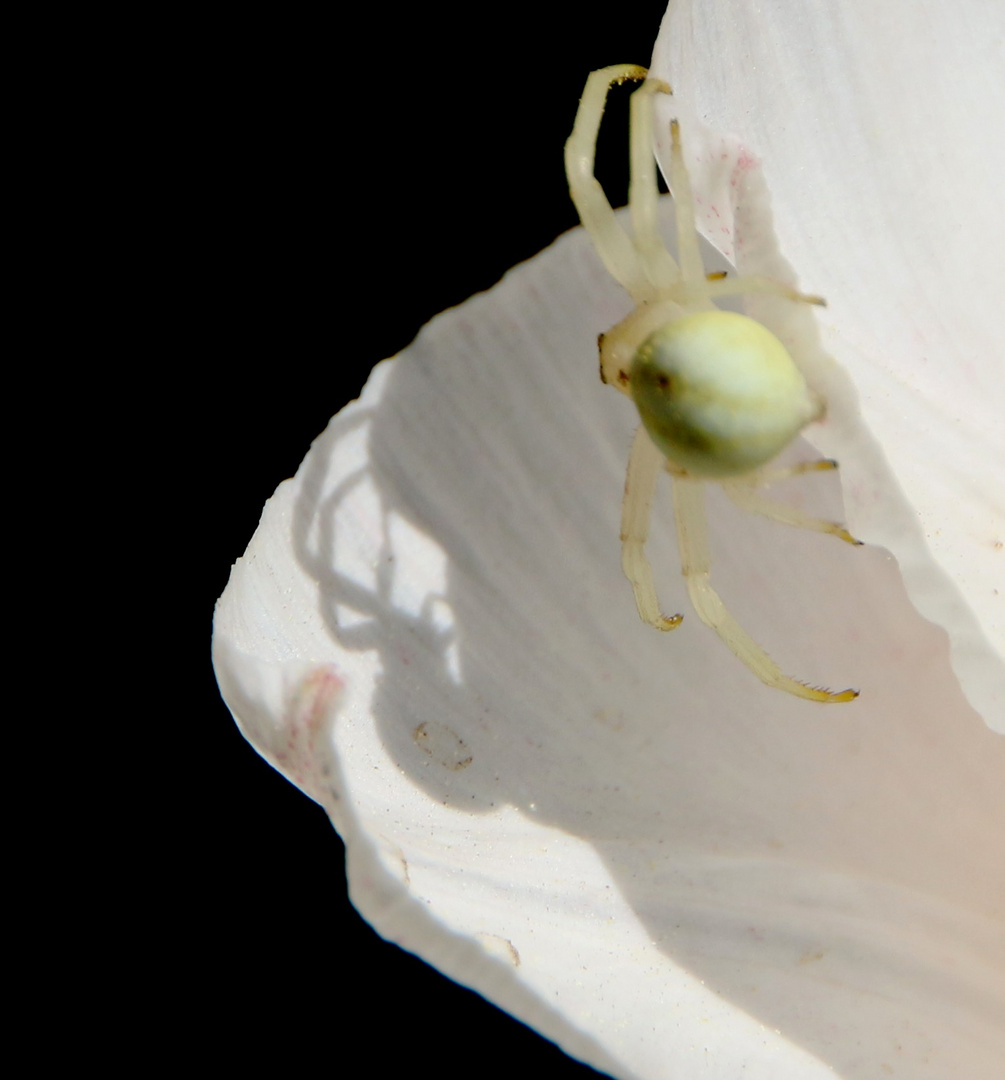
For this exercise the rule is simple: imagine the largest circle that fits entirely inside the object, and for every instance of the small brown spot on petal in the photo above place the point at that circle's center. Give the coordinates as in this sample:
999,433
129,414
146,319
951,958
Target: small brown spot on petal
443,745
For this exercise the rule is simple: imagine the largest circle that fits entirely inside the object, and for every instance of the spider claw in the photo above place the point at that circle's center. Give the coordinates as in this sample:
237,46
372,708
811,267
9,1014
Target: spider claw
847,537
631,73
828,697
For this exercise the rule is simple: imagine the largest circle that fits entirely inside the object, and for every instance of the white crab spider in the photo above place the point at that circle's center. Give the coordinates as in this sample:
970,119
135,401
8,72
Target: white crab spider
718,394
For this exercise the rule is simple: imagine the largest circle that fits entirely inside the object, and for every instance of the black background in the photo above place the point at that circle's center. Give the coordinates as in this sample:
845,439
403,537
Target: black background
330,187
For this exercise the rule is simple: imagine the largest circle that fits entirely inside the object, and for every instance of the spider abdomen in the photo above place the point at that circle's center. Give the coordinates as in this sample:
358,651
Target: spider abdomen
719,394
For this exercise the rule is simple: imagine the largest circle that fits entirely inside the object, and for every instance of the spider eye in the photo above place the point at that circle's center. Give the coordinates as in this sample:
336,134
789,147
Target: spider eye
719,394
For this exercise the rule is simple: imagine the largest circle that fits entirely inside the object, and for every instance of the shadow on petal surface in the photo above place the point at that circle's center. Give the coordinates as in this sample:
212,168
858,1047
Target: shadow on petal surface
620,836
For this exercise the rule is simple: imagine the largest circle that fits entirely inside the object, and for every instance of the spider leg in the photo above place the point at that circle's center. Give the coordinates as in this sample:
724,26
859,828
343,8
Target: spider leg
644,467
766,477
688,251
614,245
692,537
747,499
643,192
755,283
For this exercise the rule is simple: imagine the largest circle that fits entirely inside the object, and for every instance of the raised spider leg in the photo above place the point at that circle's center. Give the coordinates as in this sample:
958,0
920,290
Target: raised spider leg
688,251
700,285
644,467
643,192
613,244
692,538
653,261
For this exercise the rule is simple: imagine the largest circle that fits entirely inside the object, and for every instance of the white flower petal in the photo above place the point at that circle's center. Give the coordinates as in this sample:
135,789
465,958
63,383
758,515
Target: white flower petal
620,836
879,136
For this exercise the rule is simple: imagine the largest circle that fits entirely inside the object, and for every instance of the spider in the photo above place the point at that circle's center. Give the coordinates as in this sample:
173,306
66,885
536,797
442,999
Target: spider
718,394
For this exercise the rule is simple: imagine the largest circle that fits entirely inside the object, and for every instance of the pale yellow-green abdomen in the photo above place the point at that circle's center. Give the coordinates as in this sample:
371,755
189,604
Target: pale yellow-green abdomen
719,394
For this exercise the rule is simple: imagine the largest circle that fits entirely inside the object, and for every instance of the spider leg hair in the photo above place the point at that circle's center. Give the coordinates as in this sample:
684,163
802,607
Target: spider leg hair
692,537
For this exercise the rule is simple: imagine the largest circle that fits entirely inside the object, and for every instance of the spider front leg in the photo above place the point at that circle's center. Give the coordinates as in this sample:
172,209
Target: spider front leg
644,467
692,538
613,244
